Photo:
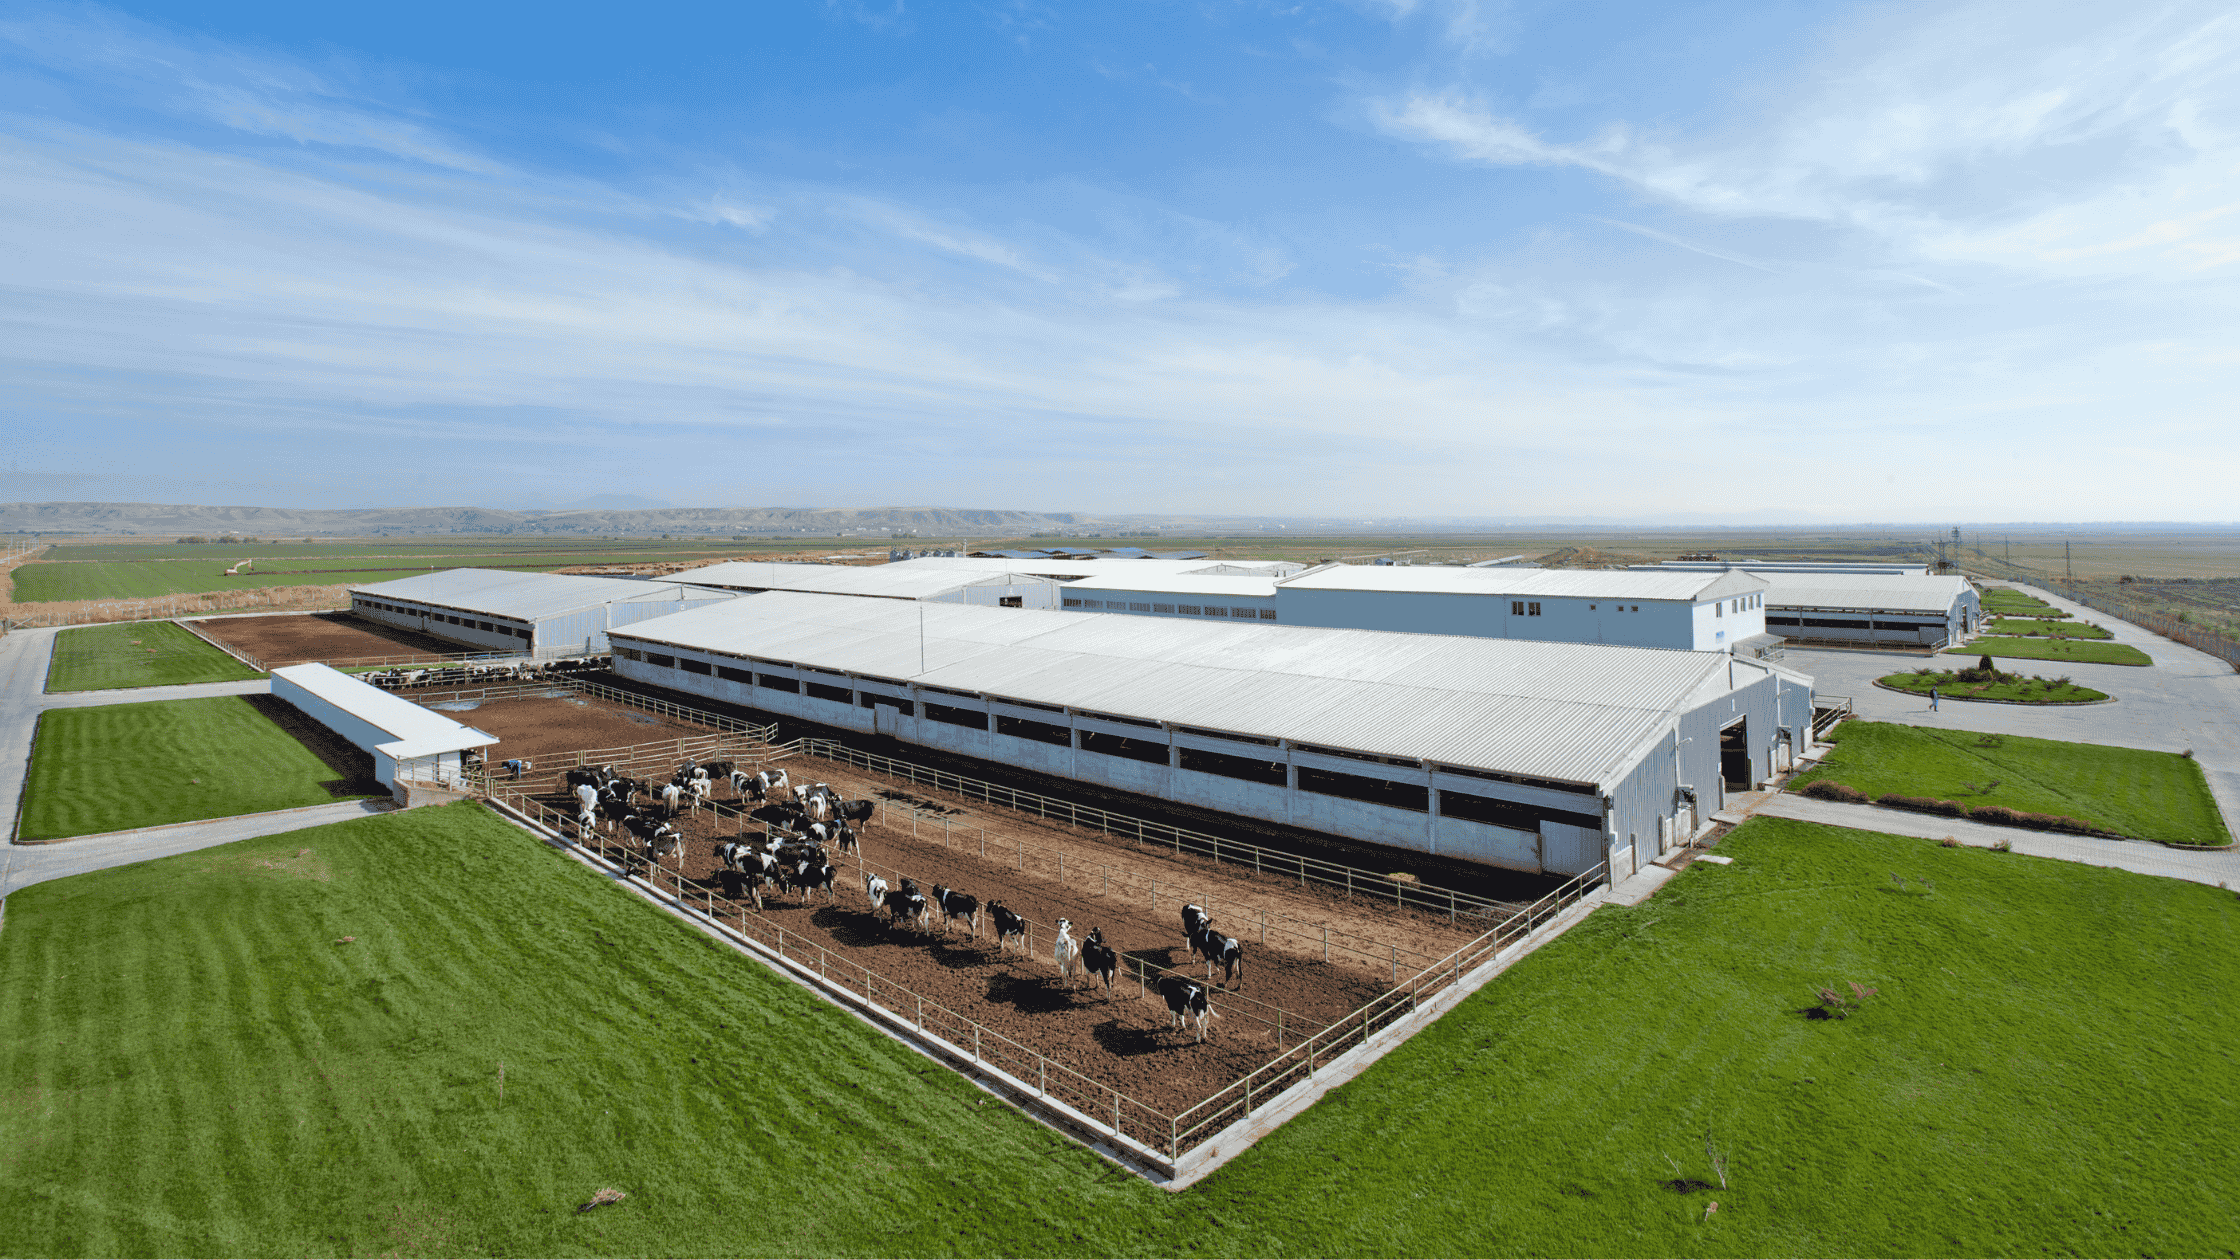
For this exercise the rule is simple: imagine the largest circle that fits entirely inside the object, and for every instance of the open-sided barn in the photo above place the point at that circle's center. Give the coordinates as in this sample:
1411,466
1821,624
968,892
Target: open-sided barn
1526,755
407,741
535,614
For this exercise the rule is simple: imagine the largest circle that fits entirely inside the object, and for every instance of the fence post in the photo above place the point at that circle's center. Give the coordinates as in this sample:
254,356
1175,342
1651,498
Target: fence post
1326,942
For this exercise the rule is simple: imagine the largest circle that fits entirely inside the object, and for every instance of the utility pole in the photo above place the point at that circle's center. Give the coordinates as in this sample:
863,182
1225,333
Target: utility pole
2067,568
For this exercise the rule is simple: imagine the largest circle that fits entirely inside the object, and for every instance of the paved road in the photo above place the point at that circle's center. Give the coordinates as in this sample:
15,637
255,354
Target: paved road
23,697
2143,856
22,865
2186,699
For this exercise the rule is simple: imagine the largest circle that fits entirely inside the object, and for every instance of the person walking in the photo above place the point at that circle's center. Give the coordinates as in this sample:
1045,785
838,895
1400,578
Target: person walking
1932,699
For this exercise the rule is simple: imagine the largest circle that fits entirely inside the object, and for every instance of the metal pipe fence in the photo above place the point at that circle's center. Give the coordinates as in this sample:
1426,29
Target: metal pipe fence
1178,840
1204,1120
1107,1110
1307,937
2198,638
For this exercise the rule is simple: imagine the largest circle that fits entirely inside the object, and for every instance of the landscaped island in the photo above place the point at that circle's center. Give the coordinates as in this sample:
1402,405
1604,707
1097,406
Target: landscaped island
1986,682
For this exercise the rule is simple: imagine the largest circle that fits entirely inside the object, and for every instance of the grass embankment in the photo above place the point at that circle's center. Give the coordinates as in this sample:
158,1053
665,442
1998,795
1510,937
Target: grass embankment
137,654
2129,791
2011,647
121,766
2012,687
193,1061
2043,627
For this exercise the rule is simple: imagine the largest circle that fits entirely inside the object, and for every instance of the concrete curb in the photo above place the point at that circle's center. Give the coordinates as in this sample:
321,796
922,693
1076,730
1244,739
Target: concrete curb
195,822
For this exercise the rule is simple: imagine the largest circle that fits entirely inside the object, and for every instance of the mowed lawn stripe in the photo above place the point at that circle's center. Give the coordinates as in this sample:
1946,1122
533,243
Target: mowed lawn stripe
120,766
2040,1072
2129,791
137,654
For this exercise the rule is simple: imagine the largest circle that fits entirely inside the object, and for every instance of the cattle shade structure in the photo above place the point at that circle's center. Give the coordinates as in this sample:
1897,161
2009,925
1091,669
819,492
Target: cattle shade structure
533,614
1719,612
1524,755
994,588
407,741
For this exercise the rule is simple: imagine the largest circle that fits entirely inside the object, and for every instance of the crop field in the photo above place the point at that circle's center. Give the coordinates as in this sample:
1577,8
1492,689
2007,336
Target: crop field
2129,791
2015,647
293,1046
137,654
121,766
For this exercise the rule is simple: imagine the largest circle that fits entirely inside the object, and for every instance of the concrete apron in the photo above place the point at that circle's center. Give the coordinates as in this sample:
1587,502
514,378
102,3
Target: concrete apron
1069,1121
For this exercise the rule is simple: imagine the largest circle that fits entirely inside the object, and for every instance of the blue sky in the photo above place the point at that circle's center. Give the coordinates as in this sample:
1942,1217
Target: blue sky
1402,257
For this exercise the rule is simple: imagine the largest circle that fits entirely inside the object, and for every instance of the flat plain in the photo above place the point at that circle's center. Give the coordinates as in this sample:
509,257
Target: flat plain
2129,791
292,1046
119,766
137,654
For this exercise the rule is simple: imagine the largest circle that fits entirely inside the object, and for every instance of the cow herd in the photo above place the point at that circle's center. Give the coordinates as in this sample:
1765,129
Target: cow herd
806,825
483,673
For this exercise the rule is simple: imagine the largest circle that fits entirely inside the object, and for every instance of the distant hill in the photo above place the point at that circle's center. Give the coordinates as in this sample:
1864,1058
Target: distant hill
179,519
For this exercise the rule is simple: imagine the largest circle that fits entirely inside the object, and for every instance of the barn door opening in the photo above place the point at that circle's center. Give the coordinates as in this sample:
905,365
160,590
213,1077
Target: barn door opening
1734,756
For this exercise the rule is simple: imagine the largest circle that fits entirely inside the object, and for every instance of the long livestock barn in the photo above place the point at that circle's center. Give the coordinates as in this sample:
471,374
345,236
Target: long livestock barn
1524,755
407,742
994,588
536,614
1864,604
1704,612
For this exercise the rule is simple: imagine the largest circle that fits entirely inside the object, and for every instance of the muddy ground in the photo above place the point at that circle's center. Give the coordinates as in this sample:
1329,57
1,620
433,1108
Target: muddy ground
329,637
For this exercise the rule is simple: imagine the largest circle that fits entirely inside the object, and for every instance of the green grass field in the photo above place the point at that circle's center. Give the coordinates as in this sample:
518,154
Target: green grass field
2020,649
2041,626
138,765
41,582
2008,602
257,1050
2150,795
2030,690
137,654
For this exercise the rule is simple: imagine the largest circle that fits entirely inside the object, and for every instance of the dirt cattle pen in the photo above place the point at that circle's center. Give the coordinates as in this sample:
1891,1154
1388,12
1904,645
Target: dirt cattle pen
1324,968
1333,955
337,639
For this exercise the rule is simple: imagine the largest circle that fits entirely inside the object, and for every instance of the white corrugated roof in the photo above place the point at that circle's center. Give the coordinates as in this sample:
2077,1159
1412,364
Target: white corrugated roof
526,596
892,581
419,732
1526,583
1890,592
1240,585
1067,569
1563,711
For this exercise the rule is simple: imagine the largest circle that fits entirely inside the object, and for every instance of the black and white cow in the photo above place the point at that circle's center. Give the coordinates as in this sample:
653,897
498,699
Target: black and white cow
1186,1003
1220,951
844,839
1193,917
858,811
1099,959
956,905
1009,927
811,877
907,903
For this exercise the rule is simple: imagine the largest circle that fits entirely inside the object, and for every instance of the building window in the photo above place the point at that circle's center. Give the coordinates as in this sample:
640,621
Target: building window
1136,607
1516,608
777,682
1012,601
1471,807
728,674
1212,611
977,719
872,700
1719,609
1231,766
629,654
1165,608
1151,751
1073,603
1532,610
1356,787
691,666
1040,732
826,691
662,659
1092,603
1267,614
1188,610
1243,612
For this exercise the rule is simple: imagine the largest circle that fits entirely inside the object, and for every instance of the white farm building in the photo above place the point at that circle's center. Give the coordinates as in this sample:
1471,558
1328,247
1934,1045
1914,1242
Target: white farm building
994,587
534,614
1533,756
1702,612
1866,604
406,741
